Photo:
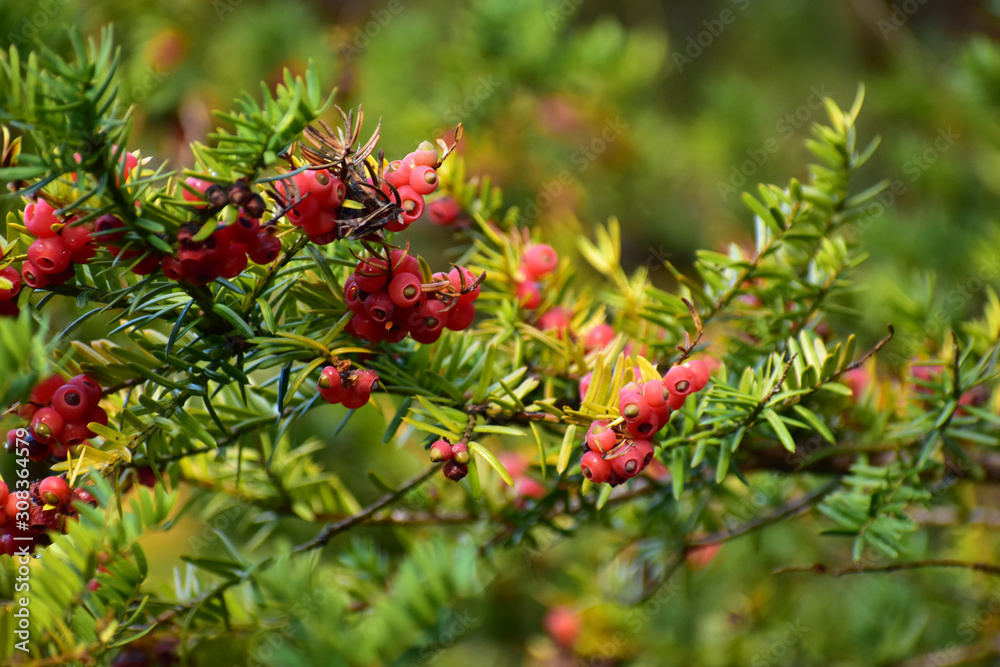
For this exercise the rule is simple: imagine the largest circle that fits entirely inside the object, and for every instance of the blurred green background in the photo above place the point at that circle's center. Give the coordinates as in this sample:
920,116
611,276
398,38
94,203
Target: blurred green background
658,113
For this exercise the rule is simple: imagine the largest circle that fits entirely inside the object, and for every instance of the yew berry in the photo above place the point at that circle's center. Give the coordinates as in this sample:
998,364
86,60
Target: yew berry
676,401
265,248
663,414
44,390
600,438
353,295
540,260
461,452
599,337
701,373
646,451
633,407
71,401
321,226
443,212
441,450
39,218
360,391
331,386
585,383
4,493
644,428
461,316
679,380
655,393
462,280
74,433
195,191
432,317
556,320
404,290
147,265
397,173
9,308
423,179
244,229
403,262
49,254
379,307
108,229
235,261
47,424
412,203
304,211
425,154
529,294
54,491
76,237
10,274
97,415
563,625
595,468
628,463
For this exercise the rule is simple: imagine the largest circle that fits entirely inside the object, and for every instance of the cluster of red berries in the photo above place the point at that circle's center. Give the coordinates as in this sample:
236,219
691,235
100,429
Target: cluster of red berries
538,262
390,300
59,412
350,388
27,515
615,456
318,194
55,250
406,181
455,457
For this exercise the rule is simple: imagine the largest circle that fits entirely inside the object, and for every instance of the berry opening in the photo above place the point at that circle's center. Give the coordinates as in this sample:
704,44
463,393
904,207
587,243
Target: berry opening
682,386
630,466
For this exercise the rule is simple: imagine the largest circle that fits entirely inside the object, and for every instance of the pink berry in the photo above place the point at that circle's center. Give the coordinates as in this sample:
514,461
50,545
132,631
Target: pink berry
441,450
633,407
397,173
425,154
529,294
423,179
49,254
600,438
443,212
645,428
404,290
655,393
680,380
629,463
403,262
462,279
701,373
540,260
461,316
595,468
198,196
556,320
585,383
411,201
599,337
11,274
39,218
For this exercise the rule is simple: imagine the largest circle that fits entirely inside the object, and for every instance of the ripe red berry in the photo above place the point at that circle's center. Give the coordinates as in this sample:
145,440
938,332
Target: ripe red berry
599,337
32,276
372,274
108,229
97,415
54,491
633,407
331,386
595,468
404,290
645,450
235,261
43,392
353,294
443,212
423,179
679,380
244,229
676,401
304,211
655,393
71,401
401,261
629,463
461,316
76,237
49,254
74,433
39,218
701,373
11,274
555,320
455,471
195,192
47,424
379,307
4,493
585,383
412,203
397,173
361,390
540,260
563,625
433,317
441,450
462,279
645,428
265,248
91,386
600,438
529,294
425,154
147,265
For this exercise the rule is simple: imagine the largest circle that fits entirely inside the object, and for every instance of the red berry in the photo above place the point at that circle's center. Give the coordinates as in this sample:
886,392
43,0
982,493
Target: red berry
432,317
412,203
423,179
645,450
49,254
633,407
244,229
404,290
372,274
45,389
529,294
265,248
403,262
397,173
195,192
556,320
304,211
91,386
39,218
32,276
71,401
146,265
360,392
443,212
330,190
540,260
600,438
77,237
585,383
330,385
701,373
4,493
74,433
655,393
676,401
595,468
563,625
108,229
97,415
365,328
679,380
599,337
455,471
663,414
629,463
462,279
645,428
379,307
11,274
54,491
461,316
461,452
353,295
47,424
441,450
425,154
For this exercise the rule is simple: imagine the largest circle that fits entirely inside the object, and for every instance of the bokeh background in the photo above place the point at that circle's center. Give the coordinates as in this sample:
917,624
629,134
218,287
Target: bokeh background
659,113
